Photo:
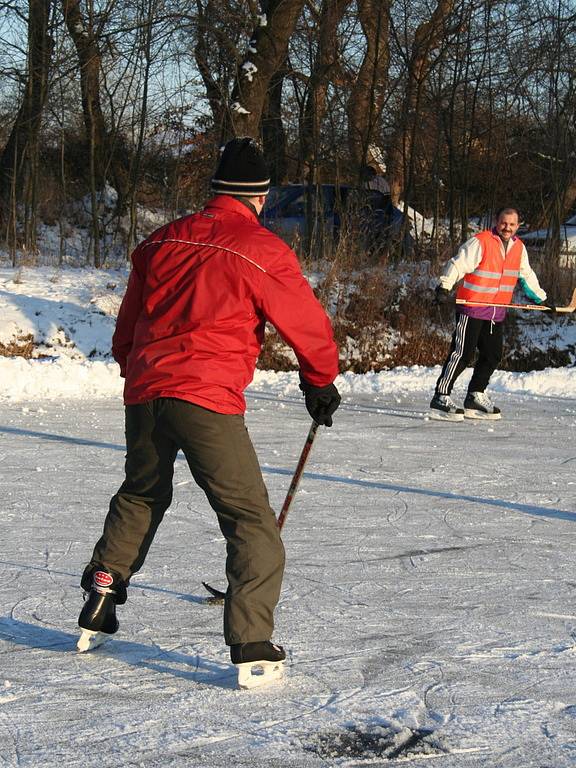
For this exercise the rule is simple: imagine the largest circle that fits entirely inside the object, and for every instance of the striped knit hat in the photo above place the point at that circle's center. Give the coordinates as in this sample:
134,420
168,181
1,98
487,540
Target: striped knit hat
241,170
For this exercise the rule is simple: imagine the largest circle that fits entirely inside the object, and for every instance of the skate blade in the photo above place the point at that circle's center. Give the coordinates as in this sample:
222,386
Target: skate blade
441,416
89,640
471,413
255,674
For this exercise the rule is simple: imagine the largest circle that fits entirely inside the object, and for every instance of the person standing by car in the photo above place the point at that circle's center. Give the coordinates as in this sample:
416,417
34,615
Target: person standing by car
187,338
489,265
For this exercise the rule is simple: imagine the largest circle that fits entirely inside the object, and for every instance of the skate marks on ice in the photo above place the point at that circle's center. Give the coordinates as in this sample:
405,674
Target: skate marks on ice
401,627
531,509
399,412
189,666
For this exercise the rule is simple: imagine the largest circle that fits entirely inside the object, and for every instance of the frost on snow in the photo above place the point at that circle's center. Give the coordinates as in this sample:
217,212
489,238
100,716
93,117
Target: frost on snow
238,108
250,70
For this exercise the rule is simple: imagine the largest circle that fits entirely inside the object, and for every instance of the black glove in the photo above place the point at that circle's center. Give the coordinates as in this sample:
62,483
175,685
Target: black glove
441,295
321,402
551,307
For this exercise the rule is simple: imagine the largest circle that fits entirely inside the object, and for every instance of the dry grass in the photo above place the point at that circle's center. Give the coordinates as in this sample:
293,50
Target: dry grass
384,316
275,355
23,346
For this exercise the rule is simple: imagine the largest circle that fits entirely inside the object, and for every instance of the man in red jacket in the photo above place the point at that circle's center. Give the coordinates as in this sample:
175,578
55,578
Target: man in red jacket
187,338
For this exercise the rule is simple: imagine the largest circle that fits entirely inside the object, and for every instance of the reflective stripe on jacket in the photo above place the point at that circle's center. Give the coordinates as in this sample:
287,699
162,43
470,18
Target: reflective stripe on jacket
192,320
495,277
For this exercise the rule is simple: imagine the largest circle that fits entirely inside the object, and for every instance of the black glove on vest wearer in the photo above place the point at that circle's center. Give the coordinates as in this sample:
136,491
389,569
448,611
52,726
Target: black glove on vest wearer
548,303
441,295
321,402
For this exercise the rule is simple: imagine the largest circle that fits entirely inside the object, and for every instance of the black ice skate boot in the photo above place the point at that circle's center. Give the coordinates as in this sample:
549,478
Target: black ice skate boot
97,619
258,663
443,408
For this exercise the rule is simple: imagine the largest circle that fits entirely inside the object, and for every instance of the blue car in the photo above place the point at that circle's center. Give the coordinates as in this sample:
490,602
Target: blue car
367,212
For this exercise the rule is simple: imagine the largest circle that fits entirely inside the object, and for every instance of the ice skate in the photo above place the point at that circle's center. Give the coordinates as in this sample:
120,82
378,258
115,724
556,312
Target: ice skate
443,408
89,640
478,405
97,619
258,664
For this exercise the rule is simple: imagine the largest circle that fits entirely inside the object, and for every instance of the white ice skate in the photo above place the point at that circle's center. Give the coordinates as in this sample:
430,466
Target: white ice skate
89,640
478,405
255,674
257,663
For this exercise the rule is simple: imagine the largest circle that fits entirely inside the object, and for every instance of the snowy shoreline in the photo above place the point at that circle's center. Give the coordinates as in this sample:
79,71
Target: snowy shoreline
70,315
62,377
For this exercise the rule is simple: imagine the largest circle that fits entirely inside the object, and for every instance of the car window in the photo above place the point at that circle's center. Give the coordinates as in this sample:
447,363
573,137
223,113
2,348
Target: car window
295,208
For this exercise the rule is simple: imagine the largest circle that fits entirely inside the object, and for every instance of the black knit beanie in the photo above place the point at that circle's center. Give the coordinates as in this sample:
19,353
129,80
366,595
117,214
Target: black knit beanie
241,170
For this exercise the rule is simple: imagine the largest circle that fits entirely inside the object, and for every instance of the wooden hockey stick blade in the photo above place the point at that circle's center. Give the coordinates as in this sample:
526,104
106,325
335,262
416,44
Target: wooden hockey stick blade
217,596
571,307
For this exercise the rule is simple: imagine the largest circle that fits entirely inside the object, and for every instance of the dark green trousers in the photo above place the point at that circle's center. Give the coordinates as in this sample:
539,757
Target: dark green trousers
223,463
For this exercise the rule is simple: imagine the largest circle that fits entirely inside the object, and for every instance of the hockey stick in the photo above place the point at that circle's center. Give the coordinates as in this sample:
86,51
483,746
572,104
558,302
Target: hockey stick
568,308
217,595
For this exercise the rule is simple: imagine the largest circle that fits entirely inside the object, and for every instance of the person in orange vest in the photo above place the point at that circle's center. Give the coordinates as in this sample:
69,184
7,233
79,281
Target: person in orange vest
488,265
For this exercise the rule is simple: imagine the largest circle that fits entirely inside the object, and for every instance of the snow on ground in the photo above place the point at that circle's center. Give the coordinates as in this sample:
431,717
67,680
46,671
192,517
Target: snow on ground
428,603
70,313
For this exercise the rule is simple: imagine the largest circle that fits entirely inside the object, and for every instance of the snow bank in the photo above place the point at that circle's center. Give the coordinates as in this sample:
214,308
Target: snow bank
70,314
55,379
67,378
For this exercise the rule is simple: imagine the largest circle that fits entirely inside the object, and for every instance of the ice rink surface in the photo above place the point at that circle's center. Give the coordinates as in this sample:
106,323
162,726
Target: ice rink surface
428,607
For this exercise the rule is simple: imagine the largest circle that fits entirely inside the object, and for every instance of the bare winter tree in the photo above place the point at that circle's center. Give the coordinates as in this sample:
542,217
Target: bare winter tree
429,35
102,159
265,54
549,88
325,64
218,29
370,86
19,159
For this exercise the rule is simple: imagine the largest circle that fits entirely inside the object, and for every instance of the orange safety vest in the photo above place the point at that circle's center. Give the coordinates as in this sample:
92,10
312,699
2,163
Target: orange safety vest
495,278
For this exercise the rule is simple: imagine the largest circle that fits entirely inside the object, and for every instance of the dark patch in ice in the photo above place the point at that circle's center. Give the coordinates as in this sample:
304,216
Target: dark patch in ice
375,741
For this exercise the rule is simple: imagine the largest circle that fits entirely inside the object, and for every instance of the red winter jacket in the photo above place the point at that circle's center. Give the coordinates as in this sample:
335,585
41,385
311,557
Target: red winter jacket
192,320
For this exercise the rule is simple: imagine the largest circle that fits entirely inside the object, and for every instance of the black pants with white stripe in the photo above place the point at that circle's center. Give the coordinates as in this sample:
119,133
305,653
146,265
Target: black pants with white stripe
470,335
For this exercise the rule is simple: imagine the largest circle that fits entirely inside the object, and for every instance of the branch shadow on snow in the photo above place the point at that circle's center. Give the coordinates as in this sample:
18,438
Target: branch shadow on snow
528,509
192,668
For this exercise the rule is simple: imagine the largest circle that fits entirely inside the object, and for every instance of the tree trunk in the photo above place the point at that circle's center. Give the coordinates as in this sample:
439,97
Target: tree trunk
268,50
428,37
19,160
273,133
90,60
369,90
146,45
325,64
